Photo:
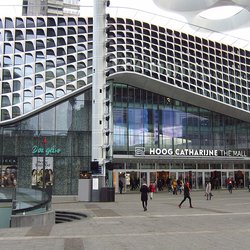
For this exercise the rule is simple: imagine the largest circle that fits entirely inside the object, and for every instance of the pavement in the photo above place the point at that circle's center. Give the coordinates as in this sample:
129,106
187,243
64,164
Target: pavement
220,223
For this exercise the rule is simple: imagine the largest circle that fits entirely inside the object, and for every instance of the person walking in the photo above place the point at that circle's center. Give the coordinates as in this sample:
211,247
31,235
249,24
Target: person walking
151,190
120,186
230,186
209,190
174,186
144,195
186,195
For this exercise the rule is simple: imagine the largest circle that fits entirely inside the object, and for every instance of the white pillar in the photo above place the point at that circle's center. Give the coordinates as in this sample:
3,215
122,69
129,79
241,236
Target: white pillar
99,79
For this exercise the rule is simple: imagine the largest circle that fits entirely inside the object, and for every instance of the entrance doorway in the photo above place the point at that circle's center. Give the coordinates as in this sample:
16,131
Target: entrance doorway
133,178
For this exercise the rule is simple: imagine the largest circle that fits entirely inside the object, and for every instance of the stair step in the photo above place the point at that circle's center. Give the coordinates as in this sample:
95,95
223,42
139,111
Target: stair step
67,216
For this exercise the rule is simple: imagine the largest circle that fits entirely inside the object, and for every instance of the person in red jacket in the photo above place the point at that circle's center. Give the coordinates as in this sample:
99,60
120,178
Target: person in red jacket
151,190
186,195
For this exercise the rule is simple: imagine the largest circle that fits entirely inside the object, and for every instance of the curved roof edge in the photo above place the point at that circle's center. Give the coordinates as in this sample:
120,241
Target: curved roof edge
184,5
45,107
180,94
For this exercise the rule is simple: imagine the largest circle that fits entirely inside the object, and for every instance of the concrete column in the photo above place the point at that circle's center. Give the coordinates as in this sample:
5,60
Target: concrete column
99,79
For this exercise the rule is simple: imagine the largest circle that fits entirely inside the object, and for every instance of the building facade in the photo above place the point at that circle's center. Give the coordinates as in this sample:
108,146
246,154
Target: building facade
178,101
51,7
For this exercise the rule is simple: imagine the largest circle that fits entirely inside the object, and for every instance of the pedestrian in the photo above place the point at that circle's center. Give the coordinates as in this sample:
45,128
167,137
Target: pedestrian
209,190
186,194
230,186
120,186
174,186
144,195
151,190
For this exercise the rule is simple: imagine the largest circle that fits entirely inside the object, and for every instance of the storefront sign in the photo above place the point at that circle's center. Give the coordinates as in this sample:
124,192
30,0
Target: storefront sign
140,151
49,150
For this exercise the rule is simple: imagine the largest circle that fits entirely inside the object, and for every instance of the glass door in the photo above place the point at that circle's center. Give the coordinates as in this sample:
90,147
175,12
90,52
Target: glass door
224,179
199,181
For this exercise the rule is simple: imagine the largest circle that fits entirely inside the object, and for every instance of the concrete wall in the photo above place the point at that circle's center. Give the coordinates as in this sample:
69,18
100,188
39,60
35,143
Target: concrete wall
33,219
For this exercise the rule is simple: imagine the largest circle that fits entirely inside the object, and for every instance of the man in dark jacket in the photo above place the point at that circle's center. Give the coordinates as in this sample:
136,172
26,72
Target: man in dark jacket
186,195
144,195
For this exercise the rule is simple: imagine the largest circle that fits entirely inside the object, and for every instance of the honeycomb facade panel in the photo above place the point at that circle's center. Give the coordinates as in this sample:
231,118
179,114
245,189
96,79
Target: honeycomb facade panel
53,55
205,67
43,60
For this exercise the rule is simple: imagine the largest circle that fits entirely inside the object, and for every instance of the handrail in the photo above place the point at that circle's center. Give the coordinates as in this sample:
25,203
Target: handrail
32,199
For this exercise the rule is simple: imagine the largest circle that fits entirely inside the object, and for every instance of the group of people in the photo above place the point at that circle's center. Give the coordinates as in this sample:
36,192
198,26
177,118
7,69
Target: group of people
186,191
151,189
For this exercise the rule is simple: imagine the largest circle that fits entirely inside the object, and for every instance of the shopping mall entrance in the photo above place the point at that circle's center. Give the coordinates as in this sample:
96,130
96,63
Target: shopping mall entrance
132,178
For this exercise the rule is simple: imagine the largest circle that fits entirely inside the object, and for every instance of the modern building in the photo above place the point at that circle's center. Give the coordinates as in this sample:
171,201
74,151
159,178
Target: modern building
51,7
156,94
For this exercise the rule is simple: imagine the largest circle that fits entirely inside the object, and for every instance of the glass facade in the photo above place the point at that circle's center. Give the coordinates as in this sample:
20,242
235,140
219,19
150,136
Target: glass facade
67,129
145,119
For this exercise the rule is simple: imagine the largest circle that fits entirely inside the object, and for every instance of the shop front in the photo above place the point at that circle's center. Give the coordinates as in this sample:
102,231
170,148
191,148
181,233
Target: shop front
197,173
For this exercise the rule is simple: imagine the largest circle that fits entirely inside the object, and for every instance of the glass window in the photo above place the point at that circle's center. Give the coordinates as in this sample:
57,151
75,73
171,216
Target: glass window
44,117
19,23
27,107
40,33
71,21
16,98
16,112
5,114
61,52
28,95
40,22
28,70
39,67
8,35
50,64
18,60
16,85
61,21
51,32
8,48
50,54
50,43
60,41
70,78
60,72
39,79
51,22
6,74
19,35
29,46
49,75
38,91
38,103
40,44
28,58
40,55
7,61
59,93
61,32
30,34
9,23
28,83
6,87
5,101
49,86
49,98
30,23
59,82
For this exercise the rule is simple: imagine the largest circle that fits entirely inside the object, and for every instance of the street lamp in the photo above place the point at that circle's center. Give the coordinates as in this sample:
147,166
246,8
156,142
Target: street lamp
44,155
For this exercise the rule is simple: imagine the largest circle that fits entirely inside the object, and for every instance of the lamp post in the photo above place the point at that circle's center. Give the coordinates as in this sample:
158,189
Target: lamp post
44,158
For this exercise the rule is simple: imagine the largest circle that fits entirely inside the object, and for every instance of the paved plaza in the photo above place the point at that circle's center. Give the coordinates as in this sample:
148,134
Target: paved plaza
222,223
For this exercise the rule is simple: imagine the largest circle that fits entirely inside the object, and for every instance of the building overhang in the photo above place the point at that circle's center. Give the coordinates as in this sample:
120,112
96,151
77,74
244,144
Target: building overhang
175,92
